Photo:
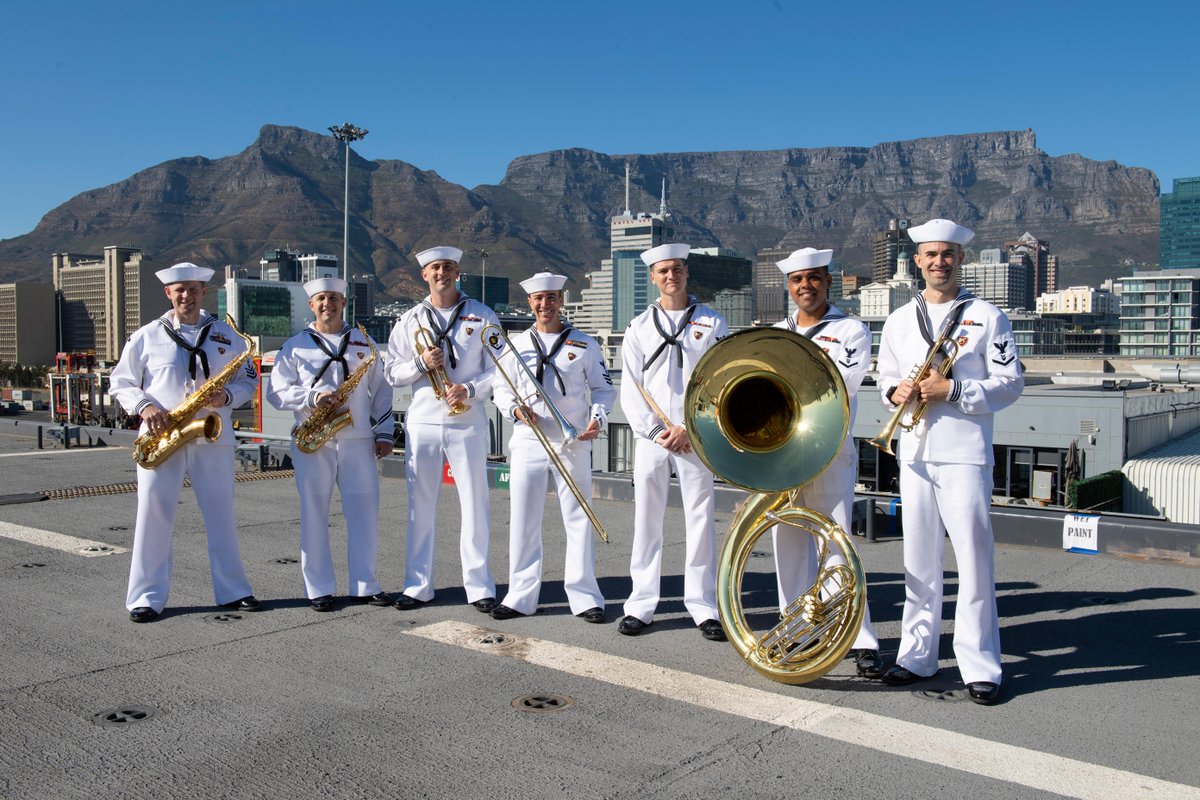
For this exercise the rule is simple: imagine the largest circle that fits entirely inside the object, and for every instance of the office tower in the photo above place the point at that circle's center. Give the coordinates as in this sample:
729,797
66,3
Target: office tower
103,299
1179,225
887,247
27,329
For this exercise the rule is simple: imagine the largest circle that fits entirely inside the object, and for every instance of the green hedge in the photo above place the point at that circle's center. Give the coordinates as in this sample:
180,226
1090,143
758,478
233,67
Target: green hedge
1098,493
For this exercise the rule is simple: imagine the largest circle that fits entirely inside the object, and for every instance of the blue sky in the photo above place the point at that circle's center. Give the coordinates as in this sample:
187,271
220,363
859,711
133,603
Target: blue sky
93,92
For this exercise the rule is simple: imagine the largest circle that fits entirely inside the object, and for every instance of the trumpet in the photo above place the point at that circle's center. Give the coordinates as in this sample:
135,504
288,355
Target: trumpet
495,340
439,379
916,409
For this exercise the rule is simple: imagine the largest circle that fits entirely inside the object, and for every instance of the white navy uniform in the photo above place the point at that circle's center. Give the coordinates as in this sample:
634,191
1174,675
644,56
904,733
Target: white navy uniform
572,372
156,368
946,478
431,433
847,342
308,365
664,368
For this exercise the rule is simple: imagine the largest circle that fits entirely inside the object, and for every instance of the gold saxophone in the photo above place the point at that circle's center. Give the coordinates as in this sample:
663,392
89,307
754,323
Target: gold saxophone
150,450
325,421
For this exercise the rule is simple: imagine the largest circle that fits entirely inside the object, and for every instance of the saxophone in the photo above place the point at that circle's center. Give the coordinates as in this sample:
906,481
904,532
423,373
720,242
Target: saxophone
326,421
150,450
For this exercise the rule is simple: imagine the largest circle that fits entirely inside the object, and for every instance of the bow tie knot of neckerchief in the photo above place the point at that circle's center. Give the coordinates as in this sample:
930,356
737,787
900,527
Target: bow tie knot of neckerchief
195,351
669,339
925,324
443,337
545,359
337,356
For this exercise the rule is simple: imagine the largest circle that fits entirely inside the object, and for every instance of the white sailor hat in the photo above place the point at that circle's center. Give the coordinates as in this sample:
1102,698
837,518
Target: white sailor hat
941,230
544,282
805,258
442,253
184,272
319,285
665,252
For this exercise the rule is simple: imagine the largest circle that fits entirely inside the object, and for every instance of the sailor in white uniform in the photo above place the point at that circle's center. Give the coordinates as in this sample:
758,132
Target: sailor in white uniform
946,462
847,342
659,352
569,366
308,371
162,363
453,322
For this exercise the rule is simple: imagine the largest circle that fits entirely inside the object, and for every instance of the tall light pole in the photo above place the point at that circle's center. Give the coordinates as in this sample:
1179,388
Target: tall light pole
483,254
347,133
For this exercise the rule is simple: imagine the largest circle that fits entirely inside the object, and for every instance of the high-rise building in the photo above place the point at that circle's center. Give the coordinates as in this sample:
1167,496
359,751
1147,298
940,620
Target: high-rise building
492,291
1043,267
1160,313
1179,225
736,306
103,299
887,247
770,286
1002,283
27,331
711,269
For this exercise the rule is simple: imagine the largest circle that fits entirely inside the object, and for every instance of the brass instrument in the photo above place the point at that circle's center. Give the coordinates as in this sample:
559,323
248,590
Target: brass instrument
439,379
495,340
150,450
768,411
655,408
325,421
937,350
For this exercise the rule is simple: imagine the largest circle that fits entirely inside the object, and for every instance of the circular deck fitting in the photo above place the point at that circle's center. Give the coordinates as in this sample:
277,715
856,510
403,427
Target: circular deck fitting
542,703
123,716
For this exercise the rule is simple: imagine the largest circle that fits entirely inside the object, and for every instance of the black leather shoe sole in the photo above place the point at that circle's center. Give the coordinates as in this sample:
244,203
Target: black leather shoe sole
322,603
899,676
143,614
504,612
983,692
484,605
382,599
593,615
249,603
405,602
711,629
631,626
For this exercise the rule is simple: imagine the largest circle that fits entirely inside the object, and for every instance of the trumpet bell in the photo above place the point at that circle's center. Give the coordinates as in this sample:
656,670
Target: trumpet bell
766,410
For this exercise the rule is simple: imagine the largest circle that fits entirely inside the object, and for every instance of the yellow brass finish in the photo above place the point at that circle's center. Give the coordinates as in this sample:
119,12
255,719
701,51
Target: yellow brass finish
496,343
768,411
150,450
438,378
325,421
938,360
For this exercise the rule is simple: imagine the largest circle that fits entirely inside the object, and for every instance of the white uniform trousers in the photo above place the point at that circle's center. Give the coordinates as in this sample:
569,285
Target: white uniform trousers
652,465
527,482
351,464
210,468
938,498
466,450
796,551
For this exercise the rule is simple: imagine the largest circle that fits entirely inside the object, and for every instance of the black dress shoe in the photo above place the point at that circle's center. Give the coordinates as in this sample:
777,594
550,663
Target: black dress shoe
484,605
867,663
631,626
595,615
382,599
504,612
899,676
143,614
406,602
711,629
322,603
247,603
983,692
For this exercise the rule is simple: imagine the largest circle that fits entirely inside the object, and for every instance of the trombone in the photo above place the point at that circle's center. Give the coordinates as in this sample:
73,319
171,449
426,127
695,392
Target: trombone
439,379
916,409
496,340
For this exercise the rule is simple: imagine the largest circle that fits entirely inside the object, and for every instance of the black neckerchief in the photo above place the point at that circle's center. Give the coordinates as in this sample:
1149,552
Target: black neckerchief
338,356
956,311
669,339
194,351
443,337
832,314
546,359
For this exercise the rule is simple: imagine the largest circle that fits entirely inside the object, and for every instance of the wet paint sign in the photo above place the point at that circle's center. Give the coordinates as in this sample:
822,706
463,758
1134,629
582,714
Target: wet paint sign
1081,533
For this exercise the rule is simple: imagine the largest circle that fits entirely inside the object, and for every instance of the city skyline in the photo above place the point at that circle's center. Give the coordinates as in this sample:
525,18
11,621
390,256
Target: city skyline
100,93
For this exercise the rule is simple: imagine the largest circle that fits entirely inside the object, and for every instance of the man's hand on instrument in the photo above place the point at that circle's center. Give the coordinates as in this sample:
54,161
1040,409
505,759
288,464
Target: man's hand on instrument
593,430
382,449
456,394
904,392
935,388
325,399
157,420
433,358
676,439
525,414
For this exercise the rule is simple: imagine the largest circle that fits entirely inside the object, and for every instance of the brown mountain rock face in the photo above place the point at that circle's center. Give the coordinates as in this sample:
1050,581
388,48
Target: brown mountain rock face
551,210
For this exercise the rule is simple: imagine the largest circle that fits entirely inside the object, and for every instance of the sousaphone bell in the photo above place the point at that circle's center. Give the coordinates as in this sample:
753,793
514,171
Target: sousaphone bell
767,411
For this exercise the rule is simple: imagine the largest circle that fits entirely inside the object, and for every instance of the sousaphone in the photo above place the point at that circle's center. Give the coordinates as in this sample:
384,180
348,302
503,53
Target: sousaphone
767,411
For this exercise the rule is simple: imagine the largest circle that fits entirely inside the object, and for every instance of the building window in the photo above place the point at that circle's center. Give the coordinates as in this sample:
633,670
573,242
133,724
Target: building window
620,447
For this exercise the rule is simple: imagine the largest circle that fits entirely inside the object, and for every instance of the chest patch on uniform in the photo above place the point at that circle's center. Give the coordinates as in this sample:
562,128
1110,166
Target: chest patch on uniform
218,338
972,323
824,338
221,350
570,356
697,334
576,343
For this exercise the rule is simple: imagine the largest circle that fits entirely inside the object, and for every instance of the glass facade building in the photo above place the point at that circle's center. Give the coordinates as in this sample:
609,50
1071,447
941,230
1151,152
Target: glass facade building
1160,313
1179,226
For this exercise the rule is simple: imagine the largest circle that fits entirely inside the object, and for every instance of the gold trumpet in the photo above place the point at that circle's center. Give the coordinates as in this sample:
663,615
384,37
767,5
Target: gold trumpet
495,340
916,408
768,411
439,379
